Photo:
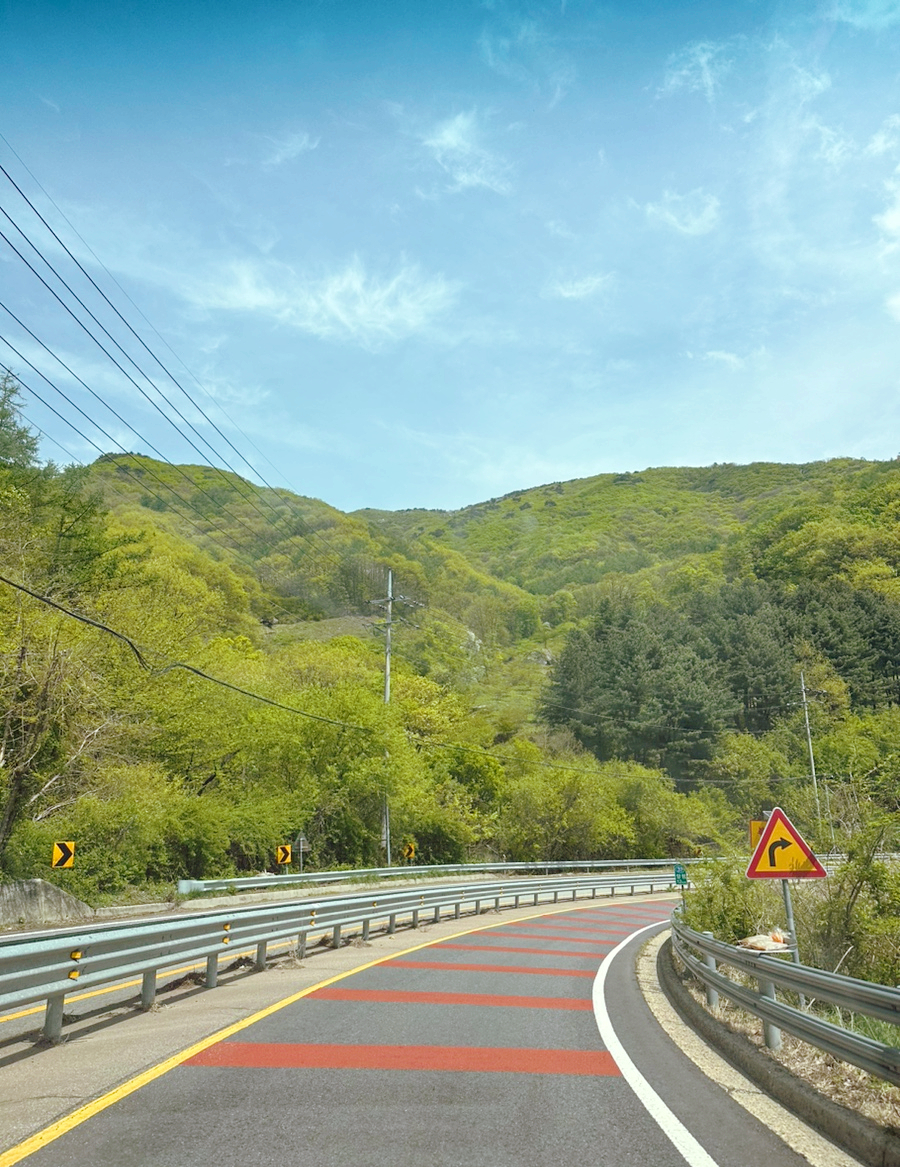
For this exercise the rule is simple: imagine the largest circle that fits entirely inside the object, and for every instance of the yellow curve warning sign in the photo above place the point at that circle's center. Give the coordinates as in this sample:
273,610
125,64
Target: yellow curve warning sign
782,852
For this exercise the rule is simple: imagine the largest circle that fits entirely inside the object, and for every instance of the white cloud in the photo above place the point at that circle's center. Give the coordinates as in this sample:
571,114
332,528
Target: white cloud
699,68
456,147
893,306
834,147
887,137
580,289
526,53
695,213
732,360
889,219
867,14
349,304
285,149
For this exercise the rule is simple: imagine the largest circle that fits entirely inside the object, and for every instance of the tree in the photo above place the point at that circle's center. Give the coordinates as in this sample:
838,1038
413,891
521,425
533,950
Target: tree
18,444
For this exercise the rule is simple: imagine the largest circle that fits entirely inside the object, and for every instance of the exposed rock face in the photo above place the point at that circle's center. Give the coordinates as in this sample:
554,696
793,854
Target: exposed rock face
34,902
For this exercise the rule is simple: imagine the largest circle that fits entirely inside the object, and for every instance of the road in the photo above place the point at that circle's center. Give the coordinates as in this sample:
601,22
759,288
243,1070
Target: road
480,1049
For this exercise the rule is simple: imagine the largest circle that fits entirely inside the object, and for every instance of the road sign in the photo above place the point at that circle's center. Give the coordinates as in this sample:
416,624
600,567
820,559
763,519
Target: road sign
301,843
757,826
681,876
409,851
782,852
63,855
283,853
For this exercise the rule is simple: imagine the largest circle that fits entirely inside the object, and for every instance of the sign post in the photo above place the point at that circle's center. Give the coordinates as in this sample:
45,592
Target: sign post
301,844
782,853
681,879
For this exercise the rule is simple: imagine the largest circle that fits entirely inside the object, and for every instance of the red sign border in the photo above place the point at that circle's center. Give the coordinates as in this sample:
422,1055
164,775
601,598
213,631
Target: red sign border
778,816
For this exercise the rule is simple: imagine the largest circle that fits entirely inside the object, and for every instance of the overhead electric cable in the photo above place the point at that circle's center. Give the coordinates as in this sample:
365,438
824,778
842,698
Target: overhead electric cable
139,654
118,416
137,308
215,454
105,453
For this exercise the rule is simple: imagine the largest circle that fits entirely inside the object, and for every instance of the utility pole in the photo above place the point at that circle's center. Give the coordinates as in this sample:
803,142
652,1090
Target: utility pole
387,637
812,760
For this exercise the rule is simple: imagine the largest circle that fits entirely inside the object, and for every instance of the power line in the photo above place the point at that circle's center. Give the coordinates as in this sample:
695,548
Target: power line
136,307
139,655
309,533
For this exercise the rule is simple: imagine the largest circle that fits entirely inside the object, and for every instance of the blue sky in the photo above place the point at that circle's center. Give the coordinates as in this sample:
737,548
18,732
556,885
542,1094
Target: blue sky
424,254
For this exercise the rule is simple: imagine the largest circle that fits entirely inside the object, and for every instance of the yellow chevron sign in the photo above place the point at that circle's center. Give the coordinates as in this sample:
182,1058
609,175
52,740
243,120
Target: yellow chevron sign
283,853
63,855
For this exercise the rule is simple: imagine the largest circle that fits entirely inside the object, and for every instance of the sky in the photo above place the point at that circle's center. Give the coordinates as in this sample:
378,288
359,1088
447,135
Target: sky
424,254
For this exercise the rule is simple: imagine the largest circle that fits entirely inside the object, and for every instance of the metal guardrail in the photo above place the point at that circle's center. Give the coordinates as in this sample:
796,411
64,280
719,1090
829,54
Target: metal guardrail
879,1001
47,966
250,882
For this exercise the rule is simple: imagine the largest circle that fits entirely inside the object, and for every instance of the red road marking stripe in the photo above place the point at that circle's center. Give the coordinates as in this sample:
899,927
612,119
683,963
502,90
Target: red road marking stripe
488,948
452,966
284,1056
598,940
397,997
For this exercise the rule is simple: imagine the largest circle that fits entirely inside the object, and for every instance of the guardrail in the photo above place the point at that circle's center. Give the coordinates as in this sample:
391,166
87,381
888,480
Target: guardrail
771,973
250,882
47,966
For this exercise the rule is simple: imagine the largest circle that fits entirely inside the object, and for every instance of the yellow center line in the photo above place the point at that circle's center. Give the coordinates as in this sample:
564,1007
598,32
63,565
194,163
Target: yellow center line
62,1126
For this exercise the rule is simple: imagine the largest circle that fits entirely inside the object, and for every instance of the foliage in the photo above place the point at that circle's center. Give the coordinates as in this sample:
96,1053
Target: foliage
606,667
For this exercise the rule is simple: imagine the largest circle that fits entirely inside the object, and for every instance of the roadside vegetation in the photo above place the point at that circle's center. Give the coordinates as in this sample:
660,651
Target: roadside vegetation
604,668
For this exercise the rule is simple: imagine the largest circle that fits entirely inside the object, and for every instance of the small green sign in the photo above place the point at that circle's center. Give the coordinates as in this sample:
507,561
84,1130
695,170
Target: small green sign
681,876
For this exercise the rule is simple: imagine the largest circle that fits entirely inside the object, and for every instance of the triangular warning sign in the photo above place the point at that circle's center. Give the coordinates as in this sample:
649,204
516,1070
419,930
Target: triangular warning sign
782,852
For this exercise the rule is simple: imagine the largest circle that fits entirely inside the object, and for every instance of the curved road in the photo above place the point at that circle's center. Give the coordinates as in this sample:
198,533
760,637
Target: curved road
483,1049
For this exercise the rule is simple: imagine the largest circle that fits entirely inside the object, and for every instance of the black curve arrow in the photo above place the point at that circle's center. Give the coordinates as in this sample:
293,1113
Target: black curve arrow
773,847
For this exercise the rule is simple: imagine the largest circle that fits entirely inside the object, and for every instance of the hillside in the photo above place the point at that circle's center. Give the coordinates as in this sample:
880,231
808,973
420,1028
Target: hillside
192,671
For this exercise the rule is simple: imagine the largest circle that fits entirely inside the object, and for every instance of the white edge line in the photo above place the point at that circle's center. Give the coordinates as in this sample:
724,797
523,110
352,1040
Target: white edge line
674,1130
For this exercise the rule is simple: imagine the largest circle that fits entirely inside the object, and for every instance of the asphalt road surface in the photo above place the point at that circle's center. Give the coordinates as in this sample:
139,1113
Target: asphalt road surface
482,1049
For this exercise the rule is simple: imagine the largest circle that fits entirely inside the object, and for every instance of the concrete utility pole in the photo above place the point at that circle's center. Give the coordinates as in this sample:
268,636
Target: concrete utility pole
387,637
812,760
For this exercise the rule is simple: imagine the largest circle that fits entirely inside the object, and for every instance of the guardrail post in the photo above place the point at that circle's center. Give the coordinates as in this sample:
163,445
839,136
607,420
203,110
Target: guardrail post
437,915
336,936
392,924
212,970
53,1019
301,946
771,1033
478,907
497,904
415,918
365,928
148,989
261,955
712,997
457,908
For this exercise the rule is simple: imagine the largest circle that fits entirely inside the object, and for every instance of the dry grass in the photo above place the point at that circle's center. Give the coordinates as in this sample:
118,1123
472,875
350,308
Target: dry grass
840,1081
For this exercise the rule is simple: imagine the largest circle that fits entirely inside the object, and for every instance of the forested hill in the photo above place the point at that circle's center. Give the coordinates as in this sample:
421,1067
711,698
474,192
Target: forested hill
757,517
191,668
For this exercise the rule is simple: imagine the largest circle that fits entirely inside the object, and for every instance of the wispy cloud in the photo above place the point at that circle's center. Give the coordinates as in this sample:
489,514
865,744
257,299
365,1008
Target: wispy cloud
580,289
457,148
867,14
522,50
730,360
698,68
348,304
887,138
287,148
695,213
889,219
